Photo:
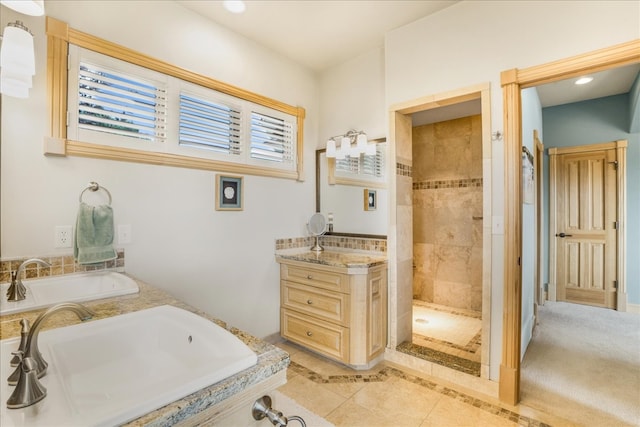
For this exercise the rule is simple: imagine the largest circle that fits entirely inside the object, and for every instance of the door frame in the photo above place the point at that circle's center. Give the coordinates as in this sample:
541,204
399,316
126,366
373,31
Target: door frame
512,82
621,213
400,241
538,156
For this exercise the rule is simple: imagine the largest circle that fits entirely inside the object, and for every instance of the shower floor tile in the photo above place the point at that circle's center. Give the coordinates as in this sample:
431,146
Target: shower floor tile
447,336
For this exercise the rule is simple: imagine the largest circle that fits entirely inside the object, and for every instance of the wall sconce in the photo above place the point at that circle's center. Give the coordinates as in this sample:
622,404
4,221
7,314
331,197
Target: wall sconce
17,56
352,144
17,60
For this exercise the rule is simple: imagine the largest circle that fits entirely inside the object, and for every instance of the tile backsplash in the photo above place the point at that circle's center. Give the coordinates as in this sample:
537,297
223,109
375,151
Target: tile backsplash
335,242
60,264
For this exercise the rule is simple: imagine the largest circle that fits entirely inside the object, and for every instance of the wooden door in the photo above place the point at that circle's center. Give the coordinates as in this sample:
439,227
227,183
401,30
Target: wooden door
585,234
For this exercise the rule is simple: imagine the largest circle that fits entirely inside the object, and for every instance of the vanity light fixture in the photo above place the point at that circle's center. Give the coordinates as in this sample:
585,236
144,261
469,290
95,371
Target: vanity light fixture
17,60
352,144
584,80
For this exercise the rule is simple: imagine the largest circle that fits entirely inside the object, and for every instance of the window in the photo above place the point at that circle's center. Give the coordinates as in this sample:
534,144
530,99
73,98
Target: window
363,168
209,125
123,105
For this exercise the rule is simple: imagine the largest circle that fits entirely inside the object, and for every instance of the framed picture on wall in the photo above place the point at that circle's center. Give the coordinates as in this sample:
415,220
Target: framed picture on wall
229,193
370,200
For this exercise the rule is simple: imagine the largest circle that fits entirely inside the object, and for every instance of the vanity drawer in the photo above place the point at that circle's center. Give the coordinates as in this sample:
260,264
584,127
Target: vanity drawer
323,337
316,277
326,305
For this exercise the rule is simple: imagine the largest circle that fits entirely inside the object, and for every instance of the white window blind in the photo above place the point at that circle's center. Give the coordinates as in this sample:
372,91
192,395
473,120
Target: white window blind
373,165
272,139
348,165
363,166
117,103
210,125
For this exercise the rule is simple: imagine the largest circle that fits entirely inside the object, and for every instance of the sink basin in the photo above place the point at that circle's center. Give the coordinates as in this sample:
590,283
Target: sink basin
79,287
111,371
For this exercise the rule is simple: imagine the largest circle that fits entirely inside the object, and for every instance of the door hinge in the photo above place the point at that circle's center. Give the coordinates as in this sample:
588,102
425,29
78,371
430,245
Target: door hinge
615,284
518,260
615,225
68,115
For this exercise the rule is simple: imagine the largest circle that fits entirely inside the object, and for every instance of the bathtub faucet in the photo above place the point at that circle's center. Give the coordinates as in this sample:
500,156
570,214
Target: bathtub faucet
31,364
17,291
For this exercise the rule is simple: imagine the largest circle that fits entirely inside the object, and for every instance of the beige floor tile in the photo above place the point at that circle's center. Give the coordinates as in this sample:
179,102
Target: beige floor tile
398,398
345,390
451,412
288,347
315,397
350,414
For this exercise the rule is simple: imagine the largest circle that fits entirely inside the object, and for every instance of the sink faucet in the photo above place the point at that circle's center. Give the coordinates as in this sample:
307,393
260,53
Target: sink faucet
31,364
17,291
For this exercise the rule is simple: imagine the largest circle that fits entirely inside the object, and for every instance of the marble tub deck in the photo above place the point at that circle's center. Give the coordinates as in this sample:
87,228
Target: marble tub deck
271,360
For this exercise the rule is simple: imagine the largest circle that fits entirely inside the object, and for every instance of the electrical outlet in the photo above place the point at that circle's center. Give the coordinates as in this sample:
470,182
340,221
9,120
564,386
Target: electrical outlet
124,234
63,236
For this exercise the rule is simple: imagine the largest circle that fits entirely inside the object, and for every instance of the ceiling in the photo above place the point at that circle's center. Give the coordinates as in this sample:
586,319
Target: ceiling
322,34
318,34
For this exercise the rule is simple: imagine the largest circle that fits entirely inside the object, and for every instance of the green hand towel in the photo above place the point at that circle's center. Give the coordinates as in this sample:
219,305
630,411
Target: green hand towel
94,234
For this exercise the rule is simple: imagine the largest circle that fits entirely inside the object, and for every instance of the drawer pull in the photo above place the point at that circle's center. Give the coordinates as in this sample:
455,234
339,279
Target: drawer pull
309,334
309,302
309,276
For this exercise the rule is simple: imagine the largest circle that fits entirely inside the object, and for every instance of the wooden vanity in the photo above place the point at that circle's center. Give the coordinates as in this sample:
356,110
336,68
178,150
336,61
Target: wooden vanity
335,303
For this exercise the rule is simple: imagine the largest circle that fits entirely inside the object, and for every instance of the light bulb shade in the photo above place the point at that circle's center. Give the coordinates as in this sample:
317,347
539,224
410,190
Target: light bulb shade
340,155
15,79
345,144
10,88
17,52
331,148
28,7
371,150
362,142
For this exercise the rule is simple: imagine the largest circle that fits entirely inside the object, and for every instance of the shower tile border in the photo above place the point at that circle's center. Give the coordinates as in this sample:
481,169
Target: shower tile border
450,183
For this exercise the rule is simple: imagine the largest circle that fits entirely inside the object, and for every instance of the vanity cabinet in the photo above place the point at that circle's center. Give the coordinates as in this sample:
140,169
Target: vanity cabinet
337,311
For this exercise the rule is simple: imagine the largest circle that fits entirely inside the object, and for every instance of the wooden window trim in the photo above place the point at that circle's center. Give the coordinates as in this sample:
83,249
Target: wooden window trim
60,35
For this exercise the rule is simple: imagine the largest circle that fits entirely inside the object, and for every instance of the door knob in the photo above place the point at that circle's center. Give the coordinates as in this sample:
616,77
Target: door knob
564,235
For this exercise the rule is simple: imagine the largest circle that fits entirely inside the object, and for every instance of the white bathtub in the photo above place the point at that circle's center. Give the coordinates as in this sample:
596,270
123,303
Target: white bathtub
110,371
47,291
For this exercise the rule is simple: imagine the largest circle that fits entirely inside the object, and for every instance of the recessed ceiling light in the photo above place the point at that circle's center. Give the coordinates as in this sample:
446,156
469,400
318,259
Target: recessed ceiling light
583,80
234,6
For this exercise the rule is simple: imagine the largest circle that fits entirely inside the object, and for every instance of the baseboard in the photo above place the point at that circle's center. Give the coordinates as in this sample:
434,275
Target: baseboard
273,338
633,308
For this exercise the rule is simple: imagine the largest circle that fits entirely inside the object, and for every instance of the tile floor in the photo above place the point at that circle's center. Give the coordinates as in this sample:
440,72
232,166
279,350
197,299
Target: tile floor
447,336
389,395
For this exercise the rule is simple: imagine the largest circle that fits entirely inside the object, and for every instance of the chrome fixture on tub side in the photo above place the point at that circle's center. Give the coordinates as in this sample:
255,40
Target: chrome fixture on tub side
31,364
262,409
17,291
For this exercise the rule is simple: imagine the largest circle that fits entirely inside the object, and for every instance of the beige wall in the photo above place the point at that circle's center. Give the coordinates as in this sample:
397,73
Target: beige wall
447,213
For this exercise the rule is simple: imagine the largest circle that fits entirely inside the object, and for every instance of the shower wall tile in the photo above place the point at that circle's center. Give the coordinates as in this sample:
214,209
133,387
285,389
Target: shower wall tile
423,271
453,128
476,145
423,152
453,264
448,212
452,294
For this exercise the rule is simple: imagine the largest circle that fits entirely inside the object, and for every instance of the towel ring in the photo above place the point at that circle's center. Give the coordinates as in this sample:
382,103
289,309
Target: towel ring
94,186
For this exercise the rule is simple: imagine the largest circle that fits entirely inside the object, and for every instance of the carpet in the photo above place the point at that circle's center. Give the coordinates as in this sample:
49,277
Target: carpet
290,407
584,363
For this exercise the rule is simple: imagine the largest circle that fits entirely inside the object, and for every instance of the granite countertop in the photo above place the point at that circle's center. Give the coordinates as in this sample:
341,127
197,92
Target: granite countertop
271,359
333,258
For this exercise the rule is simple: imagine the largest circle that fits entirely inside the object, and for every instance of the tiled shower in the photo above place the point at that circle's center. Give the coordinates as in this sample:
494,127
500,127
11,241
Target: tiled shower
447,213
